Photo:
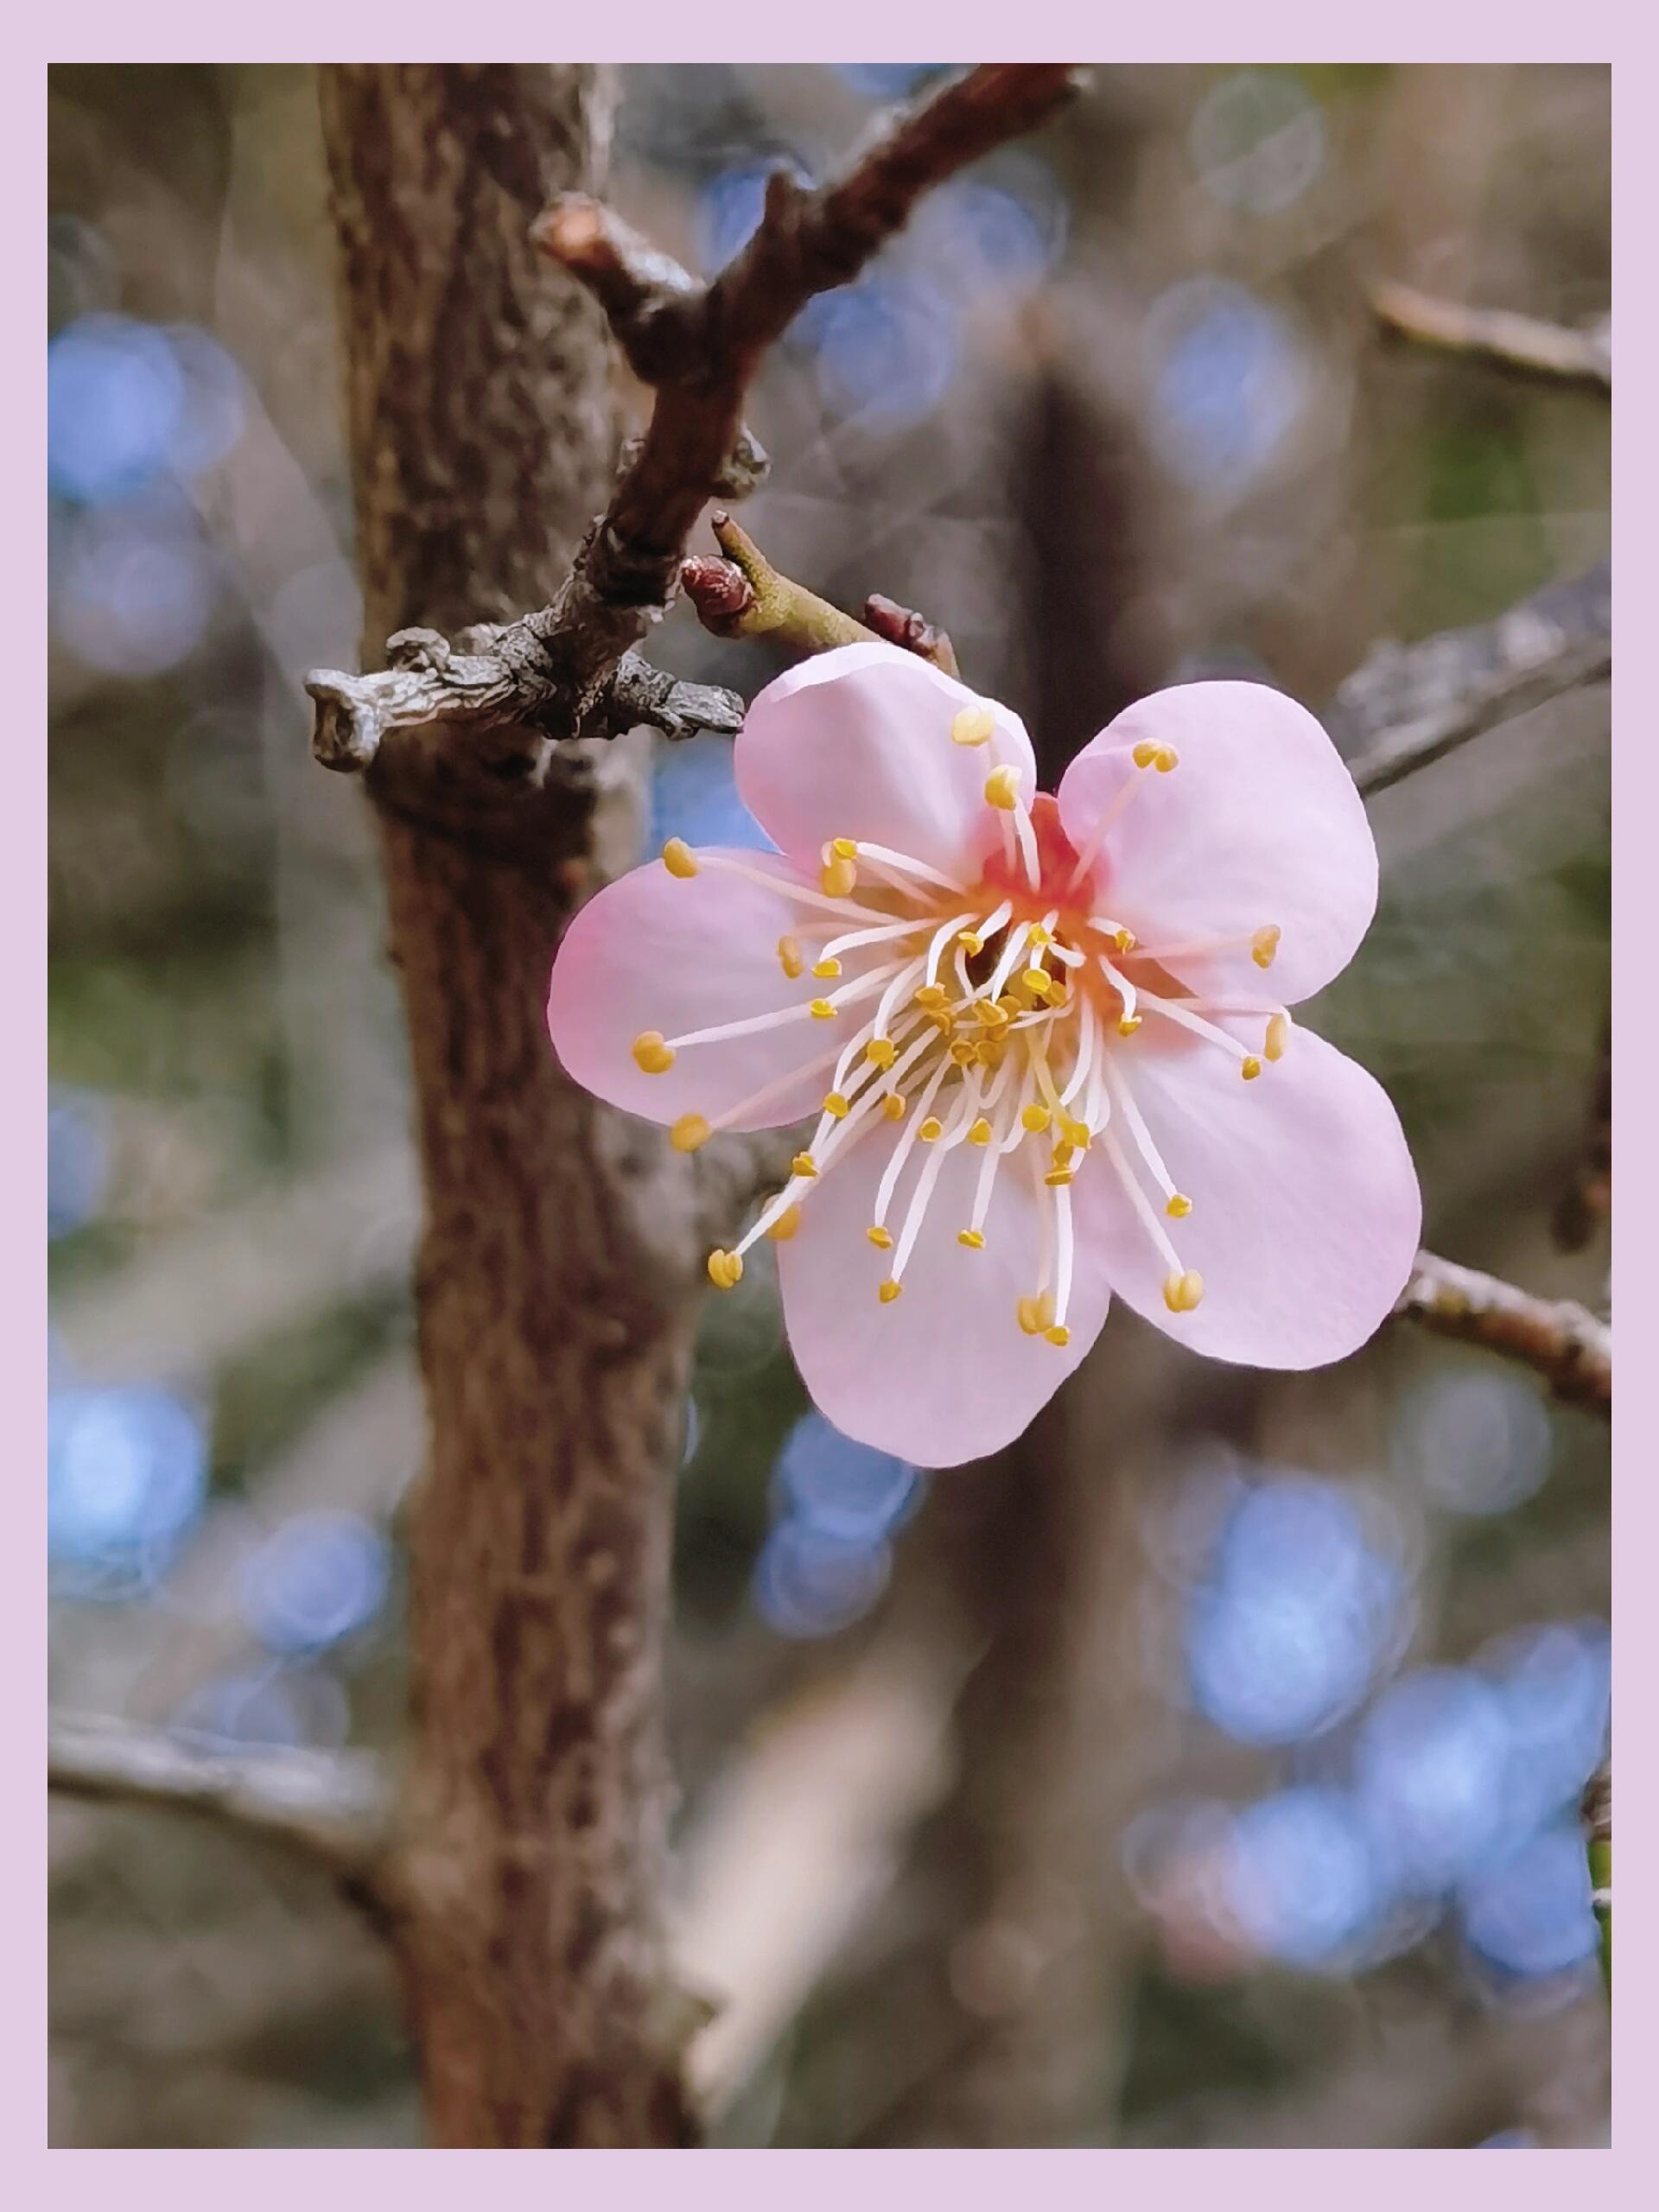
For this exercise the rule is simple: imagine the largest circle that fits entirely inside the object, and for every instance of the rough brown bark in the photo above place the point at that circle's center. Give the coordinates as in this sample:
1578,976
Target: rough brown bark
554,1360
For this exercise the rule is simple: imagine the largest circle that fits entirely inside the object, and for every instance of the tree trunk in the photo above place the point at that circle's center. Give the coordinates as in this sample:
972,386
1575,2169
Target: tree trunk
554,1355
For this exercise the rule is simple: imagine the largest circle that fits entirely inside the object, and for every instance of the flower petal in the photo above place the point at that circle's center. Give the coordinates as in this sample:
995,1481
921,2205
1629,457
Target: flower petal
1305,1210
656,951
856,743
1259,823
944,1373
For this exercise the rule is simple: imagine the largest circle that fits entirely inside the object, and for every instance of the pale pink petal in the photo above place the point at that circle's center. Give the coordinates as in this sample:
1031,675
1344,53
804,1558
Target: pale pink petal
856,743
656,951
1259,824
1306,1210
944,1373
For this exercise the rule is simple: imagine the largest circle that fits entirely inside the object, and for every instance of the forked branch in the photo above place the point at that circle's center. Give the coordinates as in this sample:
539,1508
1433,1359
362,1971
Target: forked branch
557,672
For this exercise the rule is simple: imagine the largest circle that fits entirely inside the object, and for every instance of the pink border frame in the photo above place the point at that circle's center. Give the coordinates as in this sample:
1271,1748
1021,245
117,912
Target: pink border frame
1477,30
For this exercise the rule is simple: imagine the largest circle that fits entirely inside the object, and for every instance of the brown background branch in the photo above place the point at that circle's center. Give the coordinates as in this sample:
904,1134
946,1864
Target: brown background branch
1561,1341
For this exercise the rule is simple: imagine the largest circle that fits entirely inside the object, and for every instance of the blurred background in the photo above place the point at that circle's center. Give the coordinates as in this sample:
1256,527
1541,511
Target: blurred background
1204,1771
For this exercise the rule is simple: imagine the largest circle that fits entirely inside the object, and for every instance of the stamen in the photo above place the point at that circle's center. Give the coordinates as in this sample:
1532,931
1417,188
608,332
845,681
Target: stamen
1080,1074
838,878
725,1269
690,1131
1278,1036
881,1238
1140,1202
902,864
1124,1101
1183,1291
784,1227
1002,788
1123,799
973,1238
789,958
1173,1010
678,858
889,1291
1151,755
650,1054
973,726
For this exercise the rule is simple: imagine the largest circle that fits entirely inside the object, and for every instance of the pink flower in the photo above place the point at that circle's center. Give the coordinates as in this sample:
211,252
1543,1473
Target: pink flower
1047,1038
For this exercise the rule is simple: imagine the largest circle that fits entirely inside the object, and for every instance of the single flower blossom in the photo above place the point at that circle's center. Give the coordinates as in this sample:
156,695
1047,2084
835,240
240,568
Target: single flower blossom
1048,1038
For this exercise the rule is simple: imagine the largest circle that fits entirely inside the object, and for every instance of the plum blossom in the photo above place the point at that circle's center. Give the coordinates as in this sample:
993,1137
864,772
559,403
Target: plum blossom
1047,1038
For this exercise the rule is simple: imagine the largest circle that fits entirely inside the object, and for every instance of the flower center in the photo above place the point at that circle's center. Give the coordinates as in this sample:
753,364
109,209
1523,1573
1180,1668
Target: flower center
998,1015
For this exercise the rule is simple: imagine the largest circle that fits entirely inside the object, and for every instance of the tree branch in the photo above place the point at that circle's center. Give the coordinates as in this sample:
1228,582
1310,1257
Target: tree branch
1561,1341
329,1807
1519,343
557,672
1405,706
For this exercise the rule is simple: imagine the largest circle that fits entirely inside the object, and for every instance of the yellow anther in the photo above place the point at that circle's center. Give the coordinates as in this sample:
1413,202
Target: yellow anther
835,1104
989,1050
931,1129
881,1238
964,1051
892,1106
651,1055
1127,1024
889,1291
990,1014
973,726
1037,935
678,857
1059,990
1178,1207
973,1238
1125,940
1144,754
980,1131
931,995
1063,1151
789,956
1035,1118
826,968
725,1269
1265,944
1182,1292
1056,1177
1036,1314
842,848
786,1225
969,941
838,878
1009,1005
1038,981
1059,1335
803,1165
1250,1067
1277,1032
1002,788
688,1131
1165,758
821,1010
881,1051
1075,1133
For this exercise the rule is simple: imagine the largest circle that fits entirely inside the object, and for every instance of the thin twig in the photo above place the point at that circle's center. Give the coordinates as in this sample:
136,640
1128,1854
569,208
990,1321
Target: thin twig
1405,706
329,1807
1561,1341
1517,342
555,671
